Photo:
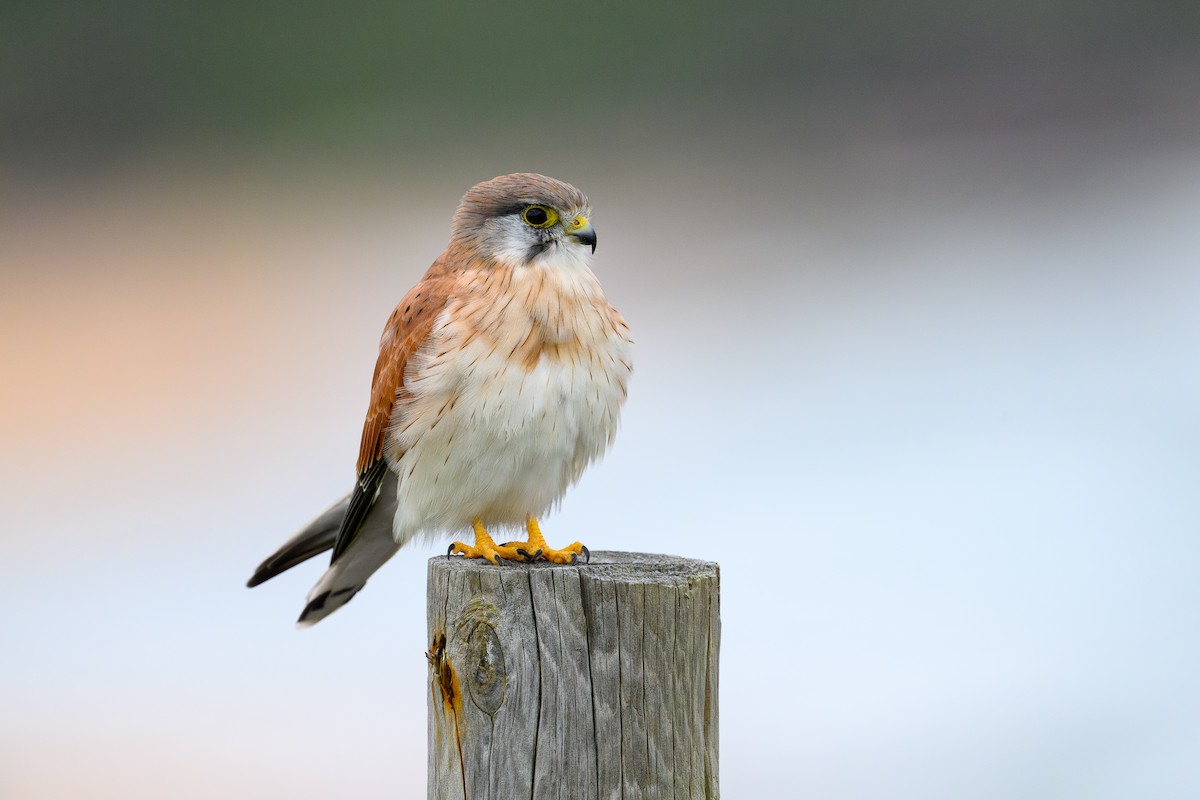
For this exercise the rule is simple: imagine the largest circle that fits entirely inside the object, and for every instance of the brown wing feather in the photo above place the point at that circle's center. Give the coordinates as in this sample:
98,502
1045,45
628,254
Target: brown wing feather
406,330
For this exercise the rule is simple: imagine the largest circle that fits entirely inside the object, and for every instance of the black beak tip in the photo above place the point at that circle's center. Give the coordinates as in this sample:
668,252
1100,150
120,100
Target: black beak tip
588,237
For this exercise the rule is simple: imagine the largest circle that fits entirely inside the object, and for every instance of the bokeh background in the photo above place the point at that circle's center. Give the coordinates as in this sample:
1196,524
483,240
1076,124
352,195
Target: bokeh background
916,290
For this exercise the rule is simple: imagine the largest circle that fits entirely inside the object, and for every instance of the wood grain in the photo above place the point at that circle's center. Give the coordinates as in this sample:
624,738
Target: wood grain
590,682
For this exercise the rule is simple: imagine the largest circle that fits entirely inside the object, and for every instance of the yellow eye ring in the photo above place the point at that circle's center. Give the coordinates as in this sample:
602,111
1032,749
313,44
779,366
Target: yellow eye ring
539,216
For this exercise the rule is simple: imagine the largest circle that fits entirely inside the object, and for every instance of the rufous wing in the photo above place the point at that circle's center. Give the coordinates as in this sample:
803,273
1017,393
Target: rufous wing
407,329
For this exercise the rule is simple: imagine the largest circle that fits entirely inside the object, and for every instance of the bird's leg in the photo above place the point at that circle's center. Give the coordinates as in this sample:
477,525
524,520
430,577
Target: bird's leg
484,547
536,547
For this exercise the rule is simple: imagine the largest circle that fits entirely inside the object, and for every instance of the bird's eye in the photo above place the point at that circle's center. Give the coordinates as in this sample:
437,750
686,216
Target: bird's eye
539,216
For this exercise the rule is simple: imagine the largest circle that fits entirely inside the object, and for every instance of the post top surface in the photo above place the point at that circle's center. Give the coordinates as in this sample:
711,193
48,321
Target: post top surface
605,565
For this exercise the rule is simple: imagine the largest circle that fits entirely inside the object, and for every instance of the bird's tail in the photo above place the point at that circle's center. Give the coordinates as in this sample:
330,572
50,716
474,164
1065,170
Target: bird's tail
313,539
373,545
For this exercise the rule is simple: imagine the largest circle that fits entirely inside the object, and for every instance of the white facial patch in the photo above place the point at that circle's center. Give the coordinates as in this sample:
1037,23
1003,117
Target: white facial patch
513,243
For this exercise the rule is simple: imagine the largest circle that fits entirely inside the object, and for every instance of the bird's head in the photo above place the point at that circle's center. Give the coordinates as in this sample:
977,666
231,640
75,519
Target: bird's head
520,218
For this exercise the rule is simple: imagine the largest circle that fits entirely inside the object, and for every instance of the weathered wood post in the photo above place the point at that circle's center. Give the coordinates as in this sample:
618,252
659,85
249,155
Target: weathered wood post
588,682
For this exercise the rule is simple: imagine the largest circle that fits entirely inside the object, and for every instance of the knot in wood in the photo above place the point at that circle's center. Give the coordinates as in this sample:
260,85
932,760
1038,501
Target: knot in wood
485,661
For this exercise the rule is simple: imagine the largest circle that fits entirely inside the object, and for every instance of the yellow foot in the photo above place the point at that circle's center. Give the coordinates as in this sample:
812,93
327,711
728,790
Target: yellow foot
537,548
484,547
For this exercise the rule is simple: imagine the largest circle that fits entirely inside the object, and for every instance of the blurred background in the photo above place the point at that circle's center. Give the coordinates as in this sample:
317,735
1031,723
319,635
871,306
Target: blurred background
916,293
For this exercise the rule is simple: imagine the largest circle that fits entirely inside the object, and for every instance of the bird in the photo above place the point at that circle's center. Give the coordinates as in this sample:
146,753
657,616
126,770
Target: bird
500,378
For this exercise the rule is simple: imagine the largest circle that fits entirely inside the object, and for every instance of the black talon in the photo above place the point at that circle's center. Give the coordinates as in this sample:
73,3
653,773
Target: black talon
496,558
523,553
450,551
587,554
574,559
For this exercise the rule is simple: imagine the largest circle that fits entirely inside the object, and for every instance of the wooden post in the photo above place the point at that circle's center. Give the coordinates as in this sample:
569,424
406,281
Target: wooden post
589,682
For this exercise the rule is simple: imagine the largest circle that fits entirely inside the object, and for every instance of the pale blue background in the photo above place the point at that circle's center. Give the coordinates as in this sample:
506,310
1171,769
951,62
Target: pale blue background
916,363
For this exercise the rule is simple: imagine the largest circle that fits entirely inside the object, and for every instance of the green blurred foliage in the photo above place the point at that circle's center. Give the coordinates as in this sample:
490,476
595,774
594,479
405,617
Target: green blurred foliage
100,77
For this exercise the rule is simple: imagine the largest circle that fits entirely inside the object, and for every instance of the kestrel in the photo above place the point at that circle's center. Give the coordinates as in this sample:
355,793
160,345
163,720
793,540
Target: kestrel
500,378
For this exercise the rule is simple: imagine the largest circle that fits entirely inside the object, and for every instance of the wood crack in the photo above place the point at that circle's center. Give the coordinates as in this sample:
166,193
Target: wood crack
586,602
537,729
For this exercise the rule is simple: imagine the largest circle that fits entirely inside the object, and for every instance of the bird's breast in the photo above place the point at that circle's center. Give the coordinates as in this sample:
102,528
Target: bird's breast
533,345
518,388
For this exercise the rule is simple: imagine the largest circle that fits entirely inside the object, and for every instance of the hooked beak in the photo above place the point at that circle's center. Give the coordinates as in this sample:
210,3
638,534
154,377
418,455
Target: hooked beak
581,231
